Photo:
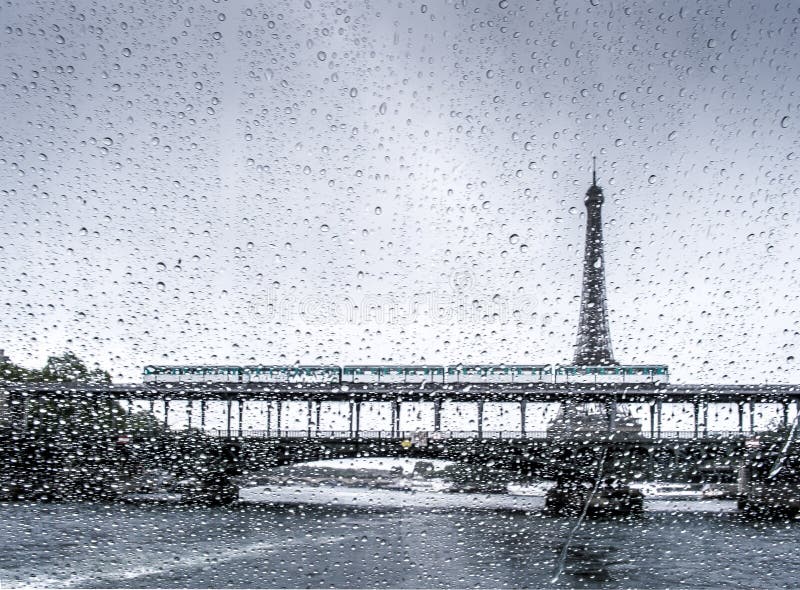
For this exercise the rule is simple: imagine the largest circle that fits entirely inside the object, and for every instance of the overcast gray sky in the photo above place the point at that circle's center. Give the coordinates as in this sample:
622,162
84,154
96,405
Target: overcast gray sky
239,182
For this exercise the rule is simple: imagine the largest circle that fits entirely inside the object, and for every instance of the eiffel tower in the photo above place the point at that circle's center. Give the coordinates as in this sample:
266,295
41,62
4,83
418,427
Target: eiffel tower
594,338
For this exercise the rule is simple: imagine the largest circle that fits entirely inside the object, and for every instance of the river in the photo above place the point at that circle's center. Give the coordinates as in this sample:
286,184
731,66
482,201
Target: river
316,544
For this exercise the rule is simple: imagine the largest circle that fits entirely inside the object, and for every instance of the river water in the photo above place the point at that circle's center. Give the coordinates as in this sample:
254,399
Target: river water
419,545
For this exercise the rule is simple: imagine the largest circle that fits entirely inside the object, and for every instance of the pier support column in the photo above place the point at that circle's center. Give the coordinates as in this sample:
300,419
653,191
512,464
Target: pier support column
318,408
228,418
652,420
705,417
241,417
480,419
785,413
740,410
351,418
752,408
358,419
696,409
269,419
523,410
202,415
659,412
166,413
278,407
189,408
437,415
395,418
309,414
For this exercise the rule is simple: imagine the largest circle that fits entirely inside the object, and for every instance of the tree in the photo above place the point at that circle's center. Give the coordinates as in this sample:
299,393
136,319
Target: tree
69,368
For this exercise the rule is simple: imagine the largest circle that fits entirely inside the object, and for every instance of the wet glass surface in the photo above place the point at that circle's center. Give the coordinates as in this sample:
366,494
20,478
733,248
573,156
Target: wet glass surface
322,546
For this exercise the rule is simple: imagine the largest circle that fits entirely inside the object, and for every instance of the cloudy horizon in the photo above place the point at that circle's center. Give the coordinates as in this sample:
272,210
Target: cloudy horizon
316,182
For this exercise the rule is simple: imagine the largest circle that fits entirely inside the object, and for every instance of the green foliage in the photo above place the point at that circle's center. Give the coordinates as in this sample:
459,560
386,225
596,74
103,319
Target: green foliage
69,368
66,368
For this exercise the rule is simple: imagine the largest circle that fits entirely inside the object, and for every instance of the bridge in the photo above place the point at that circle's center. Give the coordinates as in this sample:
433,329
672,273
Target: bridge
524,410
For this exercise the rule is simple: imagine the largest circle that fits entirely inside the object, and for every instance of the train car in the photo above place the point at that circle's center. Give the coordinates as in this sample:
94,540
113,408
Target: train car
612,374
191,374
392,374
479,374
423,374
531,373
314,374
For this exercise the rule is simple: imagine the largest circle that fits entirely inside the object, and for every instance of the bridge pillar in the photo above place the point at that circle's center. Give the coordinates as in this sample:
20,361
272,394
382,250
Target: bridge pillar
358,419
480,419
659,413
166,413
319,413
351,418
395,418
189,407
437,415
228,418
740,410
278,417
696,409
705,417
752,408
785,413
241,416
523,408
309,417
652,420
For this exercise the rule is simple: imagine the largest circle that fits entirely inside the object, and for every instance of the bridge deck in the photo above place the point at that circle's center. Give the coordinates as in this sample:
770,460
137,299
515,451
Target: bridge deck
544,392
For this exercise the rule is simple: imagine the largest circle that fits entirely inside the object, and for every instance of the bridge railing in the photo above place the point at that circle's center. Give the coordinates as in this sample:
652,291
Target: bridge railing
431,435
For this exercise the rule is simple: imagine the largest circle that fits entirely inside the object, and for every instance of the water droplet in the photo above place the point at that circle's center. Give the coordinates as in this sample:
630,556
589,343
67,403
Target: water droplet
490,73
672,135
513,238
160,286
785,122
711,43
60,39
353,92
573,210
126,52
161,266
423,9
378,210
324,227
382,109
83,231
503,4
322,56
651,179
43,157
250,245
216,35
306,169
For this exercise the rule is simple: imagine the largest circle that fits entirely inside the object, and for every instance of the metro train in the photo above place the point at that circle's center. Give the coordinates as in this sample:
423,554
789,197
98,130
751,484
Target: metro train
333,374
